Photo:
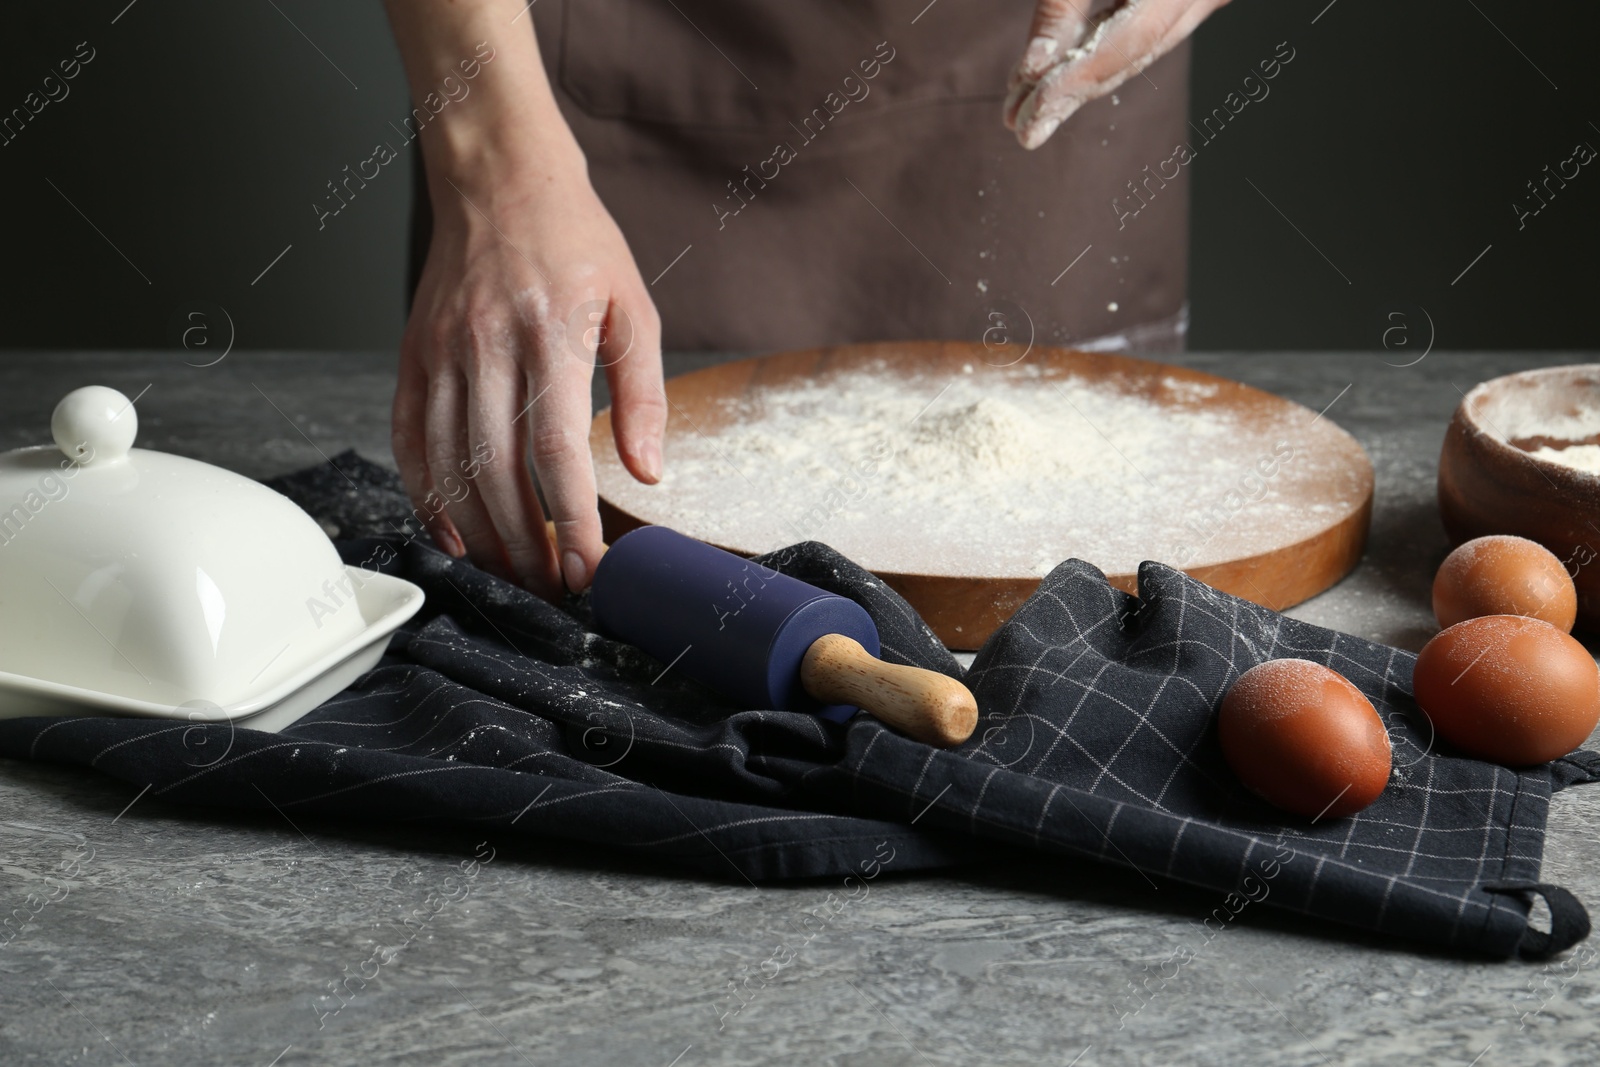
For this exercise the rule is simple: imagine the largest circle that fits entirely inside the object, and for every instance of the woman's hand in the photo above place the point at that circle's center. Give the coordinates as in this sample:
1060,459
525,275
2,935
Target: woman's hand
1072,58
528,283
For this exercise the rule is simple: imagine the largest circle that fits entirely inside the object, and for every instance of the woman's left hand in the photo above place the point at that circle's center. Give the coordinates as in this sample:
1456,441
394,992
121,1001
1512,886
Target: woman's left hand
1072,58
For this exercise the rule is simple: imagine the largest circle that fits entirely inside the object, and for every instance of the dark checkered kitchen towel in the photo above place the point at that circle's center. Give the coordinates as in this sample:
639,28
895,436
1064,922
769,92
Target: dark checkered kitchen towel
1095,743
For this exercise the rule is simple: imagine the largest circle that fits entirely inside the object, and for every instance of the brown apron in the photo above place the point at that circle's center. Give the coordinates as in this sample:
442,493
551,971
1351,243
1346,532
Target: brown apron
800,172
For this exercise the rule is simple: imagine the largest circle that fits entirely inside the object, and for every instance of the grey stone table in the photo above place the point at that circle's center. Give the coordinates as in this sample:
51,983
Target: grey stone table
189,937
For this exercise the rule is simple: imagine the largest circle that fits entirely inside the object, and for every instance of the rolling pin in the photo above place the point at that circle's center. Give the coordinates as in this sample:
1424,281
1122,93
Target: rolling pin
766,640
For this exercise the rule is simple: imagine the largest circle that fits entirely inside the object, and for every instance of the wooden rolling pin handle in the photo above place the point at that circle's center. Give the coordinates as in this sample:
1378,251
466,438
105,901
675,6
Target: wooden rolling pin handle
922,704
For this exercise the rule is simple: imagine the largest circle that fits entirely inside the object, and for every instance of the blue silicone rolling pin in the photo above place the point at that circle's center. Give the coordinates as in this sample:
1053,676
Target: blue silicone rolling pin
766,640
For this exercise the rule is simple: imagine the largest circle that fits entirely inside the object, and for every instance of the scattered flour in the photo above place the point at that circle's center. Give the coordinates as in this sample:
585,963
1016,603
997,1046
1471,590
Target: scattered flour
998,473
1540,405
1523,416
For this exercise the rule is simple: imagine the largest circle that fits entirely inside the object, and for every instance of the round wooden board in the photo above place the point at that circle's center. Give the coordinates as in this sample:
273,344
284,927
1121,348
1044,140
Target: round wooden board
1272,532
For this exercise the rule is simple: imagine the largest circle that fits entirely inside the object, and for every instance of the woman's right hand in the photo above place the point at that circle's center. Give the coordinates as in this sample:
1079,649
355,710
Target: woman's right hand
1074,57
528,284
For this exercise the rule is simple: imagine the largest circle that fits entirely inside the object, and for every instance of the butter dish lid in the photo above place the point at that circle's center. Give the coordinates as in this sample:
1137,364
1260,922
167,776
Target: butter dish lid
157,579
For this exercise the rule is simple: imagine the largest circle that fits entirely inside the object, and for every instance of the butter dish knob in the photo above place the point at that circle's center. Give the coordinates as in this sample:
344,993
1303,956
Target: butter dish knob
94,425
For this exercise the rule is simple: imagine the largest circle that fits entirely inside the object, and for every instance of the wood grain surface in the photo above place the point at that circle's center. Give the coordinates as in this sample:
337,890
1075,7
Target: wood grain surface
921,704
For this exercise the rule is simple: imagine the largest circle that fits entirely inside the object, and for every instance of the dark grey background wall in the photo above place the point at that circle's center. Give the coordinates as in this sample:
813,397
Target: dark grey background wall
196,140
1397,142
1385,160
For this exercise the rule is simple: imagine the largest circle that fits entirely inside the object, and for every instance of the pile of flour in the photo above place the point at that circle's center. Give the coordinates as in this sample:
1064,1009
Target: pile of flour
987,474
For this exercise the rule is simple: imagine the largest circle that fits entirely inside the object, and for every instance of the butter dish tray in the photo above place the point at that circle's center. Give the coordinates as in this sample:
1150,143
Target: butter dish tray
134,582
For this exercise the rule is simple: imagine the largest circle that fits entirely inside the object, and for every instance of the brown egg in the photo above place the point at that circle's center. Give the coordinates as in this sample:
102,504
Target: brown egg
1503,575
1508,689
1304,738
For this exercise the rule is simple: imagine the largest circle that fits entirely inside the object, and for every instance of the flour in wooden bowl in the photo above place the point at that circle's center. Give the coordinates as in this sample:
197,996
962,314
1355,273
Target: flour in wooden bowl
1578,457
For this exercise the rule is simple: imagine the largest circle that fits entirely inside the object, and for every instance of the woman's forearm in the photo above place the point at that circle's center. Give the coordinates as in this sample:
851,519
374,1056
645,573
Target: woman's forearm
507,127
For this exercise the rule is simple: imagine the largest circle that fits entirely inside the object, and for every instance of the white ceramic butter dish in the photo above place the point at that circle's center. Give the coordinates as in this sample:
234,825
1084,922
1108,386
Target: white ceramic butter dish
135,582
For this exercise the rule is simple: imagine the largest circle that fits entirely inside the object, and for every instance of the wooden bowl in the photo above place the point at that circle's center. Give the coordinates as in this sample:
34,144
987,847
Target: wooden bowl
1491,483
1305,535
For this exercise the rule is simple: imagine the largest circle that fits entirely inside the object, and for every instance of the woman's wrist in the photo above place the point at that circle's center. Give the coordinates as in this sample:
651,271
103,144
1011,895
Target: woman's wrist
486,158
492,169
488,122
510,130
